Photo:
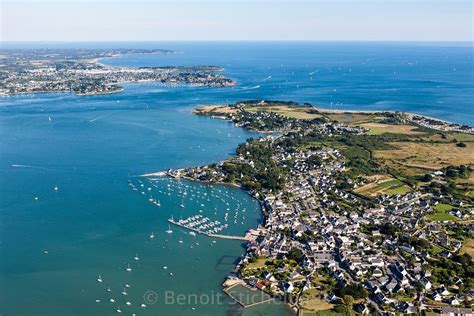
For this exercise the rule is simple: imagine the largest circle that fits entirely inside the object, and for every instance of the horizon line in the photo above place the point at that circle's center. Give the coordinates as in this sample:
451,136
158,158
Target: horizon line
241,40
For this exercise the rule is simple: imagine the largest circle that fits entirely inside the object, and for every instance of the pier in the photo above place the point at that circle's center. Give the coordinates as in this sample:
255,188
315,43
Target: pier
245,238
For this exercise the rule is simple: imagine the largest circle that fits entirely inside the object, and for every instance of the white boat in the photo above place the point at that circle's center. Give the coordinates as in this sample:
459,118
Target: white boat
181,241
128,268
136,257
152,235
108,289
124,292
56,188
143,306
112,300
192,233
169,231
99,279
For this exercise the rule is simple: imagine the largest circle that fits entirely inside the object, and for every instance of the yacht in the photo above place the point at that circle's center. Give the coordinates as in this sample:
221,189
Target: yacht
99,279
128,268
169,231
152,235
136,257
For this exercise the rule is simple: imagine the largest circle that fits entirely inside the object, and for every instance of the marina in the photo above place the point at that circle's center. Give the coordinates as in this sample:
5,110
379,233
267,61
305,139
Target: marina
213,235
212,215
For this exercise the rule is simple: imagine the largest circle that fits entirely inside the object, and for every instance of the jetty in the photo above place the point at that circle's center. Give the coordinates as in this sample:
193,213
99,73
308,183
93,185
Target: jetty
242,238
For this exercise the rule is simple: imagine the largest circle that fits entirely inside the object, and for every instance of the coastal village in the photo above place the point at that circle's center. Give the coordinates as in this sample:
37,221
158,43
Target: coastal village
78,71
345,233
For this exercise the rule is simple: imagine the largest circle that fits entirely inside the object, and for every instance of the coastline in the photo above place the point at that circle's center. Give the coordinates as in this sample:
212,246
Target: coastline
235,278
170,75
410,115
323,110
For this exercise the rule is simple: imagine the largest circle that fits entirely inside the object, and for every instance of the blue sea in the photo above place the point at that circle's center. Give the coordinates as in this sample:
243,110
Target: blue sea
68,215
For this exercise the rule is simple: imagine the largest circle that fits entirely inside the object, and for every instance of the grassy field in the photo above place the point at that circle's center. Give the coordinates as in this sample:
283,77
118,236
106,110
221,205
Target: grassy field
310,301
428,156
303,113
383,184
378,128
442,213
468,247
209,109
260,263
352,118
443,207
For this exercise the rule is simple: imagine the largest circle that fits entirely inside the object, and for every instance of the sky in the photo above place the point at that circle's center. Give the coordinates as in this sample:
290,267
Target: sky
316,20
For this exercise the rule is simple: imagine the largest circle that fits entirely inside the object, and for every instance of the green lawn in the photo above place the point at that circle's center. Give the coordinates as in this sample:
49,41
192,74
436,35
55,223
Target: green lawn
304,312
443,207
390,187
435,249
259,263
442,213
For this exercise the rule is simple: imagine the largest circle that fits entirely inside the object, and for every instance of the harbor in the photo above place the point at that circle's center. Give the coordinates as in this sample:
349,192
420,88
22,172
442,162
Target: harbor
247,237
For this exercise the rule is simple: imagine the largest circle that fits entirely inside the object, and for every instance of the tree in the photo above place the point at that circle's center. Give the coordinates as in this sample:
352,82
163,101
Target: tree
348,300
357,291
295,254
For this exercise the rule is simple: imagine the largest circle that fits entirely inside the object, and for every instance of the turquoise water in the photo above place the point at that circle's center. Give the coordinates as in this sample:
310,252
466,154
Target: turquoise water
434,79
95,224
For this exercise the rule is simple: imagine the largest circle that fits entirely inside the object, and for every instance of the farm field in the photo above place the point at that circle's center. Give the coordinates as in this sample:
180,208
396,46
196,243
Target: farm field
383,184
426,156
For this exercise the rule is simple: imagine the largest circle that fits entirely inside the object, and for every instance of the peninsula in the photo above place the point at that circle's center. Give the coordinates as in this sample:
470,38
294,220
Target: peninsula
363,212
79,71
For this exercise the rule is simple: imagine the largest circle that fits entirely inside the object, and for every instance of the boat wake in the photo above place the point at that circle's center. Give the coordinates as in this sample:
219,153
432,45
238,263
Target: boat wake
97,118
251,88
28,166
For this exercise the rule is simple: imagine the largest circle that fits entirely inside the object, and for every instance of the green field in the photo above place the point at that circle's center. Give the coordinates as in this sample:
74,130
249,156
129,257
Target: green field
388,186
443,207
442,213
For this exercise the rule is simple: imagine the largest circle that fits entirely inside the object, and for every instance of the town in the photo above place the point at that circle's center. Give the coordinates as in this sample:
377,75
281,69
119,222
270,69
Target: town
343,231
78,71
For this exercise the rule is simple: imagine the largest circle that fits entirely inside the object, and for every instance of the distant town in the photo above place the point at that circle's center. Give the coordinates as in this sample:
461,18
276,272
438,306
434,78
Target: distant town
367,213
78,71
